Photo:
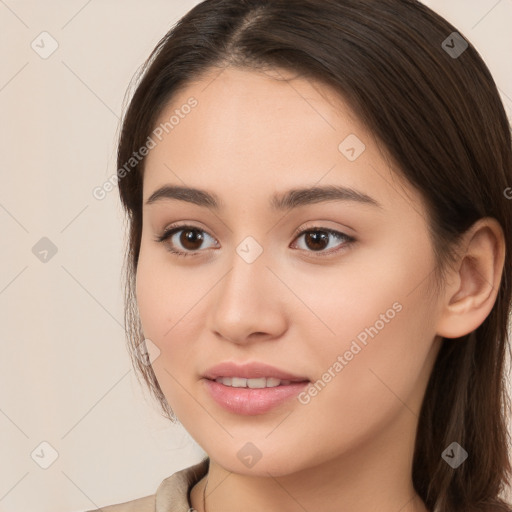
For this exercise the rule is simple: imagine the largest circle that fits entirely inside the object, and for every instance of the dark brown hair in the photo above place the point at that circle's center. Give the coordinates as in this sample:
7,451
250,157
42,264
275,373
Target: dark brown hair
439,116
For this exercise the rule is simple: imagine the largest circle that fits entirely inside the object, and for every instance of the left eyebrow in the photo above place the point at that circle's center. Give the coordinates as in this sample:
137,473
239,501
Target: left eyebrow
303,196
290,199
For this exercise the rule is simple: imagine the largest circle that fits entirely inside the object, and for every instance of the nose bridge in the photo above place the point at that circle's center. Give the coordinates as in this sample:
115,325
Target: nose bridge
242,285
245,301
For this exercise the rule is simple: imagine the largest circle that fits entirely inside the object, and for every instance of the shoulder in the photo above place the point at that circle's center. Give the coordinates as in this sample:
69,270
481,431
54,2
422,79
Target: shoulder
145,504
173,490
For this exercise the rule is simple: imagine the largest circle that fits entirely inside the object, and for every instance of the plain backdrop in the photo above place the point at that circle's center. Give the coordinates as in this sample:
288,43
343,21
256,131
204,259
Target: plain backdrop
69,399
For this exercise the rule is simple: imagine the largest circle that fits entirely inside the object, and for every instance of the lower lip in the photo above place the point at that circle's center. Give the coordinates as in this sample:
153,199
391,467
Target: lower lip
249,402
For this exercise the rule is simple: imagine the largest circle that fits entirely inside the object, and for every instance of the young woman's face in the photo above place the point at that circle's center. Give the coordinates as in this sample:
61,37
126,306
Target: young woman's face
329,287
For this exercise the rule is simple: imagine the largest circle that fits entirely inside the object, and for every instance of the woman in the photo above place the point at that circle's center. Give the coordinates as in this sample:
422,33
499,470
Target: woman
319,260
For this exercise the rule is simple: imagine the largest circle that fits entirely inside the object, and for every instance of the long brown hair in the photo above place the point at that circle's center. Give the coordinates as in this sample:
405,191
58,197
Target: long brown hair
434,107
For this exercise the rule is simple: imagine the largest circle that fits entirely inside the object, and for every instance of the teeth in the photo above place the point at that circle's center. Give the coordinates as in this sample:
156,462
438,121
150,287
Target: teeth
263,382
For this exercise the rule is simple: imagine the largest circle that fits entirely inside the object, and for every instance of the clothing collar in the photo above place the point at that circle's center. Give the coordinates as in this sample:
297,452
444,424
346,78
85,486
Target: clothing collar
173,494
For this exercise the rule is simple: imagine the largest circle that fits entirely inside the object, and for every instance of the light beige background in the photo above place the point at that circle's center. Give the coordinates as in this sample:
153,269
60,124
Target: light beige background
66,378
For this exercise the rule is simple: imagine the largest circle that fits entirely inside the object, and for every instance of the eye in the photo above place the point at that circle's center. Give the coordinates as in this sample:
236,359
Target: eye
317,239
191,239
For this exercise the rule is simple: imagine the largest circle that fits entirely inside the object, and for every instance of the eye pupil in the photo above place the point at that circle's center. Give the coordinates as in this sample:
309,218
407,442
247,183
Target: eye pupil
317,236
191,236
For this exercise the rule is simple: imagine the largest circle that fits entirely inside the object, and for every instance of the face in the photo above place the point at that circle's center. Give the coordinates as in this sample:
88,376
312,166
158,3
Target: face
328,287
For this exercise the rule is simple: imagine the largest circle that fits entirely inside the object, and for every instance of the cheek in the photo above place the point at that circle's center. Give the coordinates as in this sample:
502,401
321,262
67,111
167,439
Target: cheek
151,299
385,362
382,326
158,300
360,300
161,305
164,292
363,387
171,303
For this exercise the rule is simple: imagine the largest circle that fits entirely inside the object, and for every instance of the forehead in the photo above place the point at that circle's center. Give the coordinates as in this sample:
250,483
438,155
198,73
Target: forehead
263,134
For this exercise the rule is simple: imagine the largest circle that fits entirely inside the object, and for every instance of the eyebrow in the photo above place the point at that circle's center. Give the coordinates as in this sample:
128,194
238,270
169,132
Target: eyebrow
293,198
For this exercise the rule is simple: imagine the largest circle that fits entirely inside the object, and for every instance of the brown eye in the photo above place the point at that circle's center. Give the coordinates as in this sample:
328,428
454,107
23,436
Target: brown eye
316,240
319,239
191,239
184,240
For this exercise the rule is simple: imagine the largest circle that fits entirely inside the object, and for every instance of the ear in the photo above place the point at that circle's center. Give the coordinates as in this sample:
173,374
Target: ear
473,284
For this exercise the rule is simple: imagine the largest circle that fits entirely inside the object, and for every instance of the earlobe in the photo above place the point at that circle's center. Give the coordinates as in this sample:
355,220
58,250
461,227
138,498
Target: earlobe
474,281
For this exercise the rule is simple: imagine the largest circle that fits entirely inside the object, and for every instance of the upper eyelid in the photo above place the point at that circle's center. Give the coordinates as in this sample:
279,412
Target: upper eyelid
173,229
296,232
301,231
176,229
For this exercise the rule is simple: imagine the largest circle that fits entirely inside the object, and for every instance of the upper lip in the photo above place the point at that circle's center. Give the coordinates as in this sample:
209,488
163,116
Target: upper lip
253,370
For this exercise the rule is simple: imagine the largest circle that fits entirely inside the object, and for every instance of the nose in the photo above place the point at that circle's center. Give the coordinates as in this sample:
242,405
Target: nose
248,303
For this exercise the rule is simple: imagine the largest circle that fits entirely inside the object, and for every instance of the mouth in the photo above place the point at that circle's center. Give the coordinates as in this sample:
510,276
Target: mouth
251,389
256,383
247,401
252,375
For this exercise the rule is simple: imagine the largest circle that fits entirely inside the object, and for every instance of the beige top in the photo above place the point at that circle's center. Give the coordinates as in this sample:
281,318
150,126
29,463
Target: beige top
172,495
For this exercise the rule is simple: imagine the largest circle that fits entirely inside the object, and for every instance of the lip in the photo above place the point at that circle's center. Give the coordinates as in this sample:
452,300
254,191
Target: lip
252,370
251,401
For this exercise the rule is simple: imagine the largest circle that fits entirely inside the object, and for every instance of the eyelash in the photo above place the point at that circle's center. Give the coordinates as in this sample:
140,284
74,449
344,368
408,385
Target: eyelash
171,230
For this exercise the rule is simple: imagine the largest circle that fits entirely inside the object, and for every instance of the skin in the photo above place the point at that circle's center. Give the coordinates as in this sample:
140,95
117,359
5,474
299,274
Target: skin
351,447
